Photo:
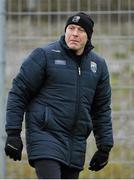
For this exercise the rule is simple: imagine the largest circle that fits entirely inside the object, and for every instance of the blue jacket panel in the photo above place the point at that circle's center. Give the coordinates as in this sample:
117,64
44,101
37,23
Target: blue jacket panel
63,101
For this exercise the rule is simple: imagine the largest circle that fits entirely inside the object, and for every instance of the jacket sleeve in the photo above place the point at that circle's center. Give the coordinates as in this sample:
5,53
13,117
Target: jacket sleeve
24,87
101,112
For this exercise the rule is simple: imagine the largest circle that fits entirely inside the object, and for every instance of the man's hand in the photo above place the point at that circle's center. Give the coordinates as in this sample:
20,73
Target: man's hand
99,160
13,147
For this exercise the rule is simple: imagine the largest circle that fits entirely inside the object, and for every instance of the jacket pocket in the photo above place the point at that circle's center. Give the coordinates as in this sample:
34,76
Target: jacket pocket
38,118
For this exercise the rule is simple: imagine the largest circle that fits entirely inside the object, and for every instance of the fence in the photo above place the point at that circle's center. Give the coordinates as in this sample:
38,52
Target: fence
33,23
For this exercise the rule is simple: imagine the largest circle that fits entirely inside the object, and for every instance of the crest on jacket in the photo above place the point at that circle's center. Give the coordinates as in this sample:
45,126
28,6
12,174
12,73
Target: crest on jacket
93,67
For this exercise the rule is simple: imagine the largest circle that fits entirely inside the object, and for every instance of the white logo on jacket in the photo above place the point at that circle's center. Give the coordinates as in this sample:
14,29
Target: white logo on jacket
56,50
60,62
93,67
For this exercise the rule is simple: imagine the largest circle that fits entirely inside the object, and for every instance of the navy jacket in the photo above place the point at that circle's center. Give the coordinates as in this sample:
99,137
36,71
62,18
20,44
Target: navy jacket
63,101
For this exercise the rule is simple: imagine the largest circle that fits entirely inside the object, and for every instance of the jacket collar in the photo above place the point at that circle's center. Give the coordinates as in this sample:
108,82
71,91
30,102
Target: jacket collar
87,49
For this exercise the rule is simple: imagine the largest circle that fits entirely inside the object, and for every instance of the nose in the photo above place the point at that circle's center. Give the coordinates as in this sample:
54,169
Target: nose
75,32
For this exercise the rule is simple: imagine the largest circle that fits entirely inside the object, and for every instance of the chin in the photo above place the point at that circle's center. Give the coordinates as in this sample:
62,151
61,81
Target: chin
73,48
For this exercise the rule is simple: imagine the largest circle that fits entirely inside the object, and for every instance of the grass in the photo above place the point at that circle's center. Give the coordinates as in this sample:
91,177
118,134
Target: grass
19,169
120,55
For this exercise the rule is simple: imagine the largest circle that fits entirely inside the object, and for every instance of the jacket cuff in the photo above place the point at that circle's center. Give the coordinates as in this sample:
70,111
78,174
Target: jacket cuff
105,148
13,132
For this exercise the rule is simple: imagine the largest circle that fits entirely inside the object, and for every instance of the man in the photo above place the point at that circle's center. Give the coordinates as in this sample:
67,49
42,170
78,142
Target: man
65,93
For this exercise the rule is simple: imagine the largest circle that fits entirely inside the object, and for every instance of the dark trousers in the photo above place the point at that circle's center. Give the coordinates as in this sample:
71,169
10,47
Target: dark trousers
51,169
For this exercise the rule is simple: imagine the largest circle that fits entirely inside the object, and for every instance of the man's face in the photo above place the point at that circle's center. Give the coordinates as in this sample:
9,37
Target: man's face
76,38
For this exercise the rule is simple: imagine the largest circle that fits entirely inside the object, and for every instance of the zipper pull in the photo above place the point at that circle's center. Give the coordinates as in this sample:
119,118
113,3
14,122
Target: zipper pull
79,71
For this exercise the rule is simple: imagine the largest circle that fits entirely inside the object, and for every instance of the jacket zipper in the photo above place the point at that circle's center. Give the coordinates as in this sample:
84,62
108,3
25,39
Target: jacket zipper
79,70
78,93
76,109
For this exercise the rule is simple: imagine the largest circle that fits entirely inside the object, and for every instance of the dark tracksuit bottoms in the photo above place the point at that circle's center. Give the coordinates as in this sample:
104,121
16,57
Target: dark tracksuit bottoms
51,169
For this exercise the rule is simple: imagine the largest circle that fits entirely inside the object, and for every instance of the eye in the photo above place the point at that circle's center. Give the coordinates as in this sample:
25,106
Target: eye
81,30
70,27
